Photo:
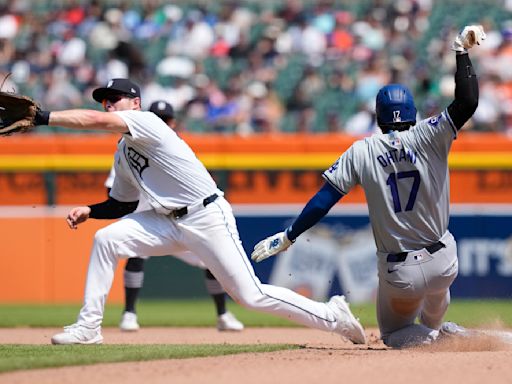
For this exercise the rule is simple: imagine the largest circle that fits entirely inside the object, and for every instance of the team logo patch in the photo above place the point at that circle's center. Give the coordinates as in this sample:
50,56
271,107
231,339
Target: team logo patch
434,120
137,161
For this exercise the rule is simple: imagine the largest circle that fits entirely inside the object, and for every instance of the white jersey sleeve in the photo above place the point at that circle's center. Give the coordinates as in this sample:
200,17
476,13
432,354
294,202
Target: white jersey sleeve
435,134
145,127
162,166
110,178
342,175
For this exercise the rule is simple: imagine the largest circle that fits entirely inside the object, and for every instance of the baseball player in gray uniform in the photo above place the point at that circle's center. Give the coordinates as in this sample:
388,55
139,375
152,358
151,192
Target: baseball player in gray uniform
404,173
134,268
189,214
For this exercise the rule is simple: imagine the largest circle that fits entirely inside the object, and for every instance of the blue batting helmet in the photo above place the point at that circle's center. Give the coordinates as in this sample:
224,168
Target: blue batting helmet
395,106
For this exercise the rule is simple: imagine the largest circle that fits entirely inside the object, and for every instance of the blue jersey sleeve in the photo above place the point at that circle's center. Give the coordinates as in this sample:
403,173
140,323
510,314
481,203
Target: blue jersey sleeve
314,210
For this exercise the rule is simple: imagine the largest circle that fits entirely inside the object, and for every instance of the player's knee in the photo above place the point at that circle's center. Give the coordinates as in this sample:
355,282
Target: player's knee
102,238
405,307
249,304
250,300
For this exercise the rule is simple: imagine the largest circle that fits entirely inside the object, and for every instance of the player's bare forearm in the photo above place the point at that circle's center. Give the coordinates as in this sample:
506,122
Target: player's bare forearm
88,119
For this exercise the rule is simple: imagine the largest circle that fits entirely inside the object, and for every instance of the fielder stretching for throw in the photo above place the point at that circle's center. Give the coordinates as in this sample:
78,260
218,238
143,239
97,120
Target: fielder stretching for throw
404,173
189,214
134,269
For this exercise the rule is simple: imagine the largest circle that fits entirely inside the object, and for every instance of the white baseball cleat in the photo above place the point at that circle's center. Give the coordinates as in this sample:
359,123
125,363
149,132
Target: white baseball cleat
78,334
129,322
346,323
228,322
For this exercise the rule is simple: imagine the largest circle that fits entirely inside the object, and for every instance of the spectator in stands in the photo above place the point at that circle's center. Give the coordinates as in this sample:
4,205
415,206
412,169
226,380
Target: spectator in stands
368,42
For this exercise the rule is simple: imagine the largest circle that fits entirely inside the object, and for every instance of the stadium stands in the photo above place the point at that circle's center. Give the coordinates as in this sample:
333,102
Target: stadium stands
246,66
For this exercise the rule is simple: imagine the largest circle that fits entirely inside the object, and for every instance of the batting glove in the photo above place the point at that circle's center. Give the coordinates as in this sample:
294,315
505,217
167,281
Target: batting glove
270,246
470,35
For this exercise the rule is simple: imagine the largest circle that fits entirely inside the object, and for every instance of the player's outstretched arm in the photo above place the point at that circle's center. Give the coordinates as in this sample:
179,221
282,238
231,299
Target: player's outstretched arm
19,113
466,82
314,210
87,119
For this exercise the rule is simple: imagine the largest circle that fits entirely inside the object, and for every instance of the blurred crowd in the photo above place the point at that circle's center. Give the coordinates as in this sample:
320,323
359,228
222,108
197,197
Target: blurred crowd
245,67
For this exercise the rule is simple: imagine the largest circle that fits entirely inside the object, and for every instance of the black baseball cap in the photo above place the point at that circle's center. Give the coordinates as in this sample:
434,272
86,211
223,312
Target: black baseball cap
116,87
162,109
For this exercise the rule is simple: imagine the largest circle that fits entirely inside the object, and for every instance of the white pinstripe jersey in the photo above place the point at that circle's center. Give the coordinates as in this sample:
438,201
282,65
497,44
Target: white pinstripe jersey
153,161
406,181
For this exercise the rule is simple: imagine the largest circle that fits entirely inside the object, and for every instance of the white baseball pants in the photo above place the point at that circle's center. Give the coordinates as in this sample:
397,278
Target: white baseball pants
212,235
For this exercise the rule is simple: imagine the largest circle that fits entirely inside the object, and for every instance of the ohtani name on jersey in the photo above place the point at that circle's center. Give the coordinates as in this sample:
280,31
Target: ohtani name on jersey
397,156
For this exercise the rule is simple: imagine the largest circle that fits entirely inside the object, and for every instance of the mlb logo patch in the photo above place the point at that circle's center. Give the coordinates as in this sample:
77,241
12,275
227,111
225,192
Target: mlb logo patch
394,140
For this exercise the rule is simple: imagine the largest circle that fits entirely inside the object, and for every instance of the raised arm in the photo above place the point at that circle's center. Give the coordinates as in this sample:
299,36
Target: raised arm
466,83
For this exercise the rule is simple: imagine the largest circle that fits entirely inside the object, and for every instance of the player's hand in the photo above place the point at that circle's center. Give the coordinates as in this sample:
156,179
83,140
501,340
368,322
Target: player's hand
77,216
270,246
470,35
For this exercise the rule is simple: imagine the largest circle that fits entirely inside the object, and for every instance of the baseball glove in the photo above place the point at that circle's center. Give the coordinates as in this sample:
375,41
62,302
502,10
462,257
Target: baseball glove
18,113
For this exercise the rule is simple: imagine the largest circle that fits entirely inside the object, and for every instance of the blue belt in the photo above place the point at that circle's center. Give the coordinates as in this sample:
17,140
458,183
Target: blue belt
401,256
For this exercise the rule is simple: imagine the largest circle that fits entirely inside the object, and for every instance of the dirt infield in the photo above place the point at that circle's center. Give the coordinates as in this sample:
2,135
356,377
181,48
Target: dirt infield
325,359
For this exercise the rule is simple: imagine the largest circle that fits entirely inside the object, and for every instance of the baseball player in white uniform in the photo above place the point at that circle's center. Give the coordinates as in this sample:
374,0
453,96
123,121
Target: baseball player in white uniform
404,173
133,275
189,214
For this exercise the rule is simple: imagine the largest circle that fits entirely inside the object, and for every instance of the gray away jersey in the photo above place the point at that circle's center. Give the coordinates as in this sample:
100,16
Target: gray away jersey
152,161
406,181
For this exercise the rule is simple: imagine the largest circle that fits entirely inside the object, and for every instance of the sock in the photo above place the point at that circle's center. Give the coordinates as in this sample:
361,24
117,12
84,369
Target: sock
220,303
216,292
131,295
133,280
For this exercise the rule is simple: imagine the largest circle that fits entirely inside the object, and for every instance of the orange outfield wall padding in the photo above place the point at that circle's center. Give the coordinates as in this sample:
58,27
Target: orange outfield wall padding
261,143
46,262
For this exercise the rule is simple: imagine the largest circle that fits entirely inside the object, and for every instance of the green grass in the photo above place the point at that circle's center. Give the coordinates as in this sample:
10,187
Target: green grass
200,313
22,357
474,313
177,313
471,313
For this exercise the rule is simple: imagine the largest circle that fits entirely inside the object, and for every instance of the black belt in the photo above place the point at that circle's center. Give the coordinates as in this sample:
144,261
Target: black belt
401,256
180,212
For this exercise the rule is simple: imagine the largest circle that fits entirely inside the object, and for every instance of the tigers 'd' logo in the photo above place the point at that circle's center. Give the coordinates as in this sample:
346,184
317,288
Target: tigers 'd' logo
137,161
